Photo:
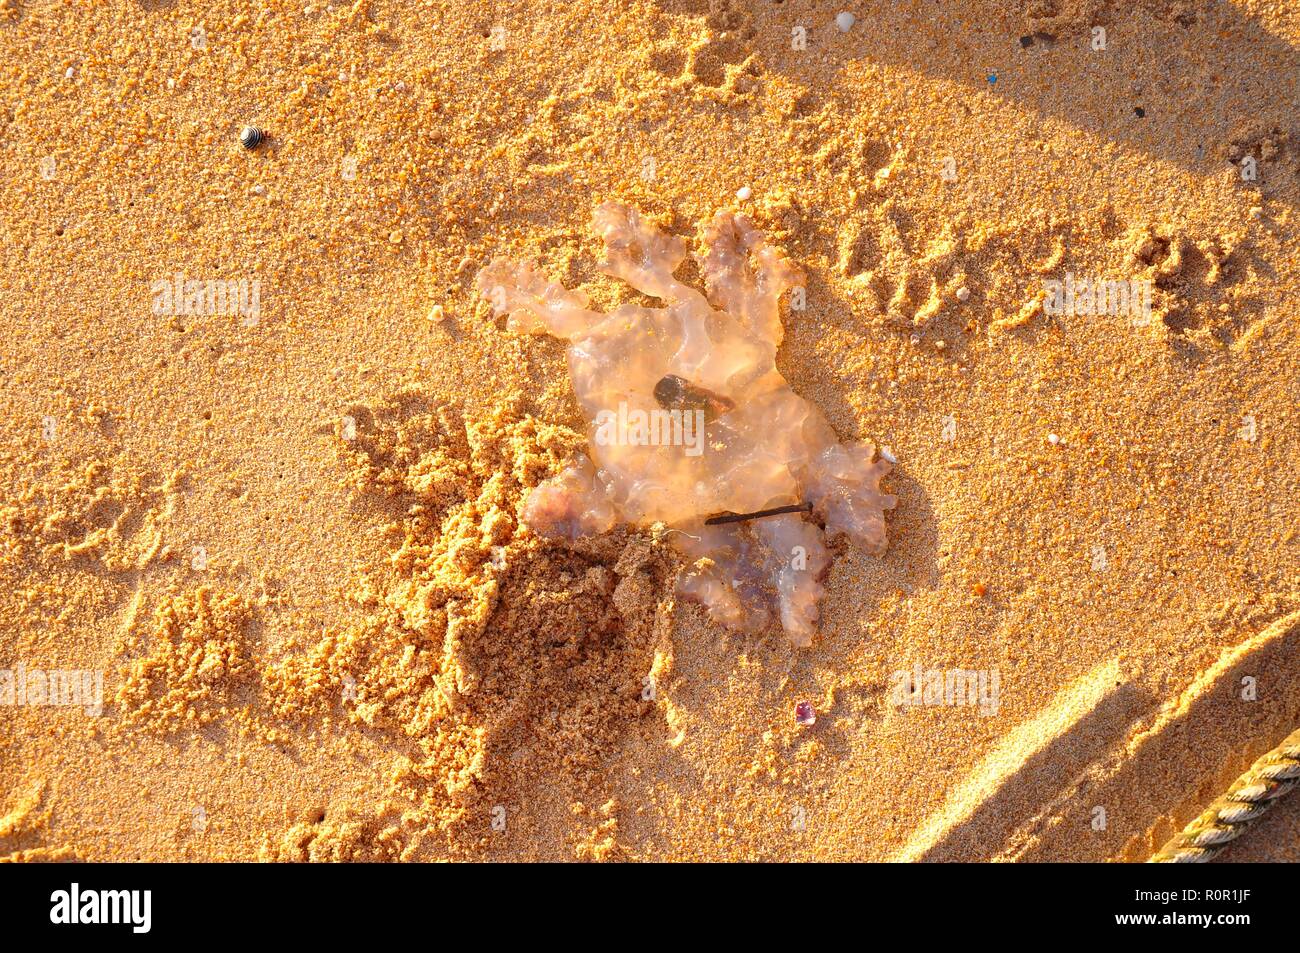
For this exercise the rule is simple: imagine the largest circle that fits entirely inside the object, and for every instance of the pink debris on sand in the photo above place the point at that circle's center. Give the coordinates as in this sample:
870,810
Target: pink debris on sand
804,714
690,418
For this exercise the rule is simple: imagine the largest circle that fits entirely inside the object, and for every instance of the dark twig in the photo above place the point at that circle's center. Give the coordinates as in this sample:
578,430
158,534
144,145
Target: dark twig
730,517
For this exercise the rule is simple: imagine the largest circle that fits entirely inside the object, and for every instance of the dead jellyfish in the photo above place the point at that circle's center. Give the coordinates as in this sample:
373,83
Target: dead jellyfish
692,426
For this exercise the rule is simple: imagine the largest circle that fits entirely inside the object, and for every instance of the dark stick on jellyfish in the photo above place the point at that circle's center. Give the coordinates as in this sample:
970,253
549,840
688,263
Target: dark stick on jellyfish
758,514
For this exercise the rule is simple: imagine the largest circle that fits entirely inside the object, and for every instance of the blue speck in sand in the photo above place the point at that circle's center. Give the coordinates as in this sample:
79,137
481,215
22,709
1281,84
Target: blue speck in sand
993,77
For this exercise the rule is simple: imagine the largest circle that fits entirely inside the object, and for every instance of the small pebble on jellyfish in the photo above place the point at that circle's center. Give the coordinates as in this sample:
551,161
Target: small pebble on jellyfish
689,418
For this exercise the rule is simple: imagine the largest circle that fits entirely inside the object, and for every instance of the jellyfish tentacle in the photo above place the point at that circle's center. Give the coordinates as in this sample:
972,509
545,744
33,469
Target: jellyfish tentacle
844,485
745,277
535,304
572,504
798,562
640,253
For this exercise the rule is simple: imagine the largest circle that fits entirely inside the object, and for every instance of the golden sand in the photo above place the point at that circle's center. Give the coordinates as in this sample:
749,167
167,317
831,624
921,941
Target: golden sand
286,531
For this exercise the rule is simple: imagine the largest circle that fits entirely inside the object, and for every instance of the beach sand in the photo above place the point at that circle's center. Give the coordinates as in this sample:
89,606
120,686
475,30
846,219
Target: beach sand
286,534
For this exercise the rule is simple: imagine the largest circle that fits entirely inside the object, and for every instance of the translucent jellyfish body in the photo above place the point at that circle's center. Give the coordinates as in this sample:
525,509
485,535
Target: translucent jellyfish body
689,418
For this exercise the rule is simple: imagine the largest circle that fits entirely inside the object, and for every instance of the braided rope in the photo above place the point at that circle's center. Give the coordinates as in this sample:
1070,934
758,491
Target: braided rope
1250,798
